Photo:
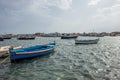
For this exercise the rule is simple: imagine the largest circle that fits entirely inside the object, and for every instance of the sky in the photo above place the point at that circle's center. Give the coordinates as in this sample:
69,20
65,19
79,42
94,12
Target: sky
30,16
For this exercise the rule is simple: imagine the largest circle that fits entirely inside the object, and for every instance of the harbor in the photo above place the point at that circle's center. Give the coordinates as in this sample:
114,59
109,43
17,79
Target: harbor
69,61
59,39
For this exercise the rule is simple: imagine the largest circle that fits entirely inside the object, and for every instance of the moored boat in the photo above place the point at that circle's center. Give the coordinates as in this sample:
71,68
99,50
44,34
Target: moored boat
68,37
94,41
1,39
30,52
6,48
6,37
28,37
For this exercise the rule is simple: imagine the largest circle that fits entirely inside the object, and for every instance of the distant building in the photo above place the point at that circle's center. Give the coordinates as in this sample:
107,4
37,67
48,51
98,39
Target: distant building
115,33
38,34
56,34
105,34
93,34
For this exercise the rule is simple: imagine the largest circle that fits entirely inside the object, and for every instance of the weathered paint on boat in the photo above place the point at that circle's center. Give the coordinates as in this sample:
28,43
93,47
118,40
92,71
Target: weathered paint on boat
95,41
30,52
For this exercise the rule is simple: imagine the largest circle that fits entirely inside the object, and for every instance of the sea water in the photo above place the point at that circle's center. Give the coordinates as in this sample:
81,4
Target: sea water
69,61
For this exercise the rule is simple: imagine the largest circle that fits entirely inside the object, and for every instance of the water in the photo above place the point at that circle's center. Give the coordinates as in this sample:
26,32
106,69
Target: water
69,61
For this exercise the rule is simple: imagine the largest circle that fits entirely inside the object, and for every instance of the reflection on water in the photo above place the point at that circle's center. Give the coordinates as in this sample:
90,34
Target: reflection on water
69,62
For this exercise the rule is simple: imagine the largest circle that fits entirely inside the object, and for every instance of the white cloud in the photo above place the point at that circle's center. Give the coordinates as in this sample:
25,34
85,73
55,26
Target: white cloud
113,10
65,4
107,17
94,2
48,7
45,4
59,15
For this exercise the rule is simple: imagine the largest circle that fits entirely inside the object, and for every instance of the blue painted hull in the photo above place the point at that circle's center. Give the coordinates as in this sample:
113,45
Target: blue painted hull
15,57
30,52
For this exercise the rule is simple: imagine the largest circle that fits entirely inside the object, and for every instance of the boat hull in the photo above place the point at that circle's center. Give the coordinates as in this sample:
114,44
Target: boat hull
67,37
86,41
25,55
1,39
7,38
25,38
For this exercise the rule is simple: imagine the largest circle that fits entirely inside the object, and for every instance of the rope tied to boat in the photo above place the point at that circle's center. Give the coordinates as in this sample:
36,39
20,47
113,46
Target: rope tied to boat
4,60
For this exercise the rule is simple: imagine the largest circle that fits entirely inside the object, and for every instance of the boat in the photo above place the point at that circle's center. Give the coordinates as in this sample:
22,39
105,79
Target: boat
6,48
68,37
26,38
30,52
6,37
94,41
1,39
22,37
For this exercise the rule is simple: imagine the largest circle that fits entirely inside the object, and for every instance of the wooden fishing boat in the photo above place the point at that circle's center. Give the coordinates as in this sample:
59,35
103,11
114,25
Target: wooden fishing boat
68,37
30,52
6,37
6,48
22,37
1,39
94,41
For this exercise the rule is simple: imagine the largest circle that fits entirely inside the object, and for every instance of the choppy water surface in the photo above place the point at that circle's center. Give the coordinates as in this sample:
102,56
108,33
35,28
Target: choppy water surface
69,61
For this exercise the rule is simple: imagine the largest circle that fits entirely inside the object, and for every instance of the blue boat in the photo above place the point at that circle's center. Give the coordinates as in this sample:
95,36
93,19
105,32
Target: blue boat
29,52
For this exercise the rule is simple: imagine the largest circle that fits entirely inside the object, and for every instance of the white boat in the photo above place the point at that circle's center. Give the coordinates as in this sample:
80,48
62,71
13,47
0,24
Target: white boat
6,48
89,41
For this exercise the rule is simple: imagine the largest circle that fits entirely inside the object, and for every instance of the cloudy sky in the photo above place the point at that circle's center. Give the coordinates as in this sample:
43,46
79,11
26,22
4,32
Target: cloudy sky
30,16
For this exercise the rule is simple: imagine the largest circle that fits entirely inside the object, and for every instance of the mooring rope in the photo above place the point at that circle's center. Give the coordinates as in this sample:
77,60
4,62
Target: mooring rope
4,60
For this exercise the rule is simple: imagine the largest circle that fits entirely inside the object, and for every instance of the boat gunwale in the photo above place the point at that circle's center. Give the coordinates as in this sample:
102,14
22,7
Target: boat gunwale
33,52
